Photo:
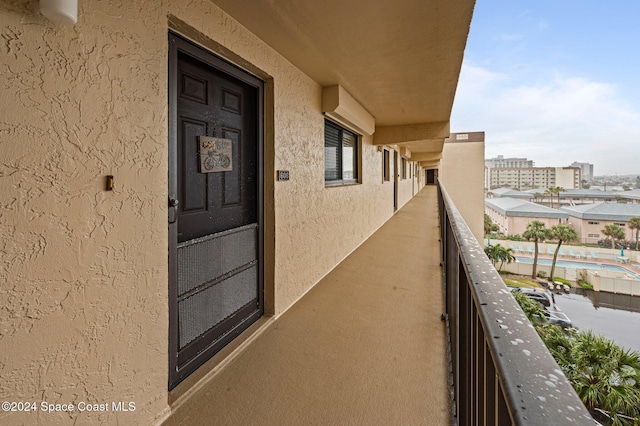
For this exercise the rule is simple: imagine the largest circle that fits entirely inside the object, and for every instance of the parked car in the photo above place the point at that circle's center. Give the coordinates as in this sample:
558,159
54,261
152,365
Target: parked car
543,297
557,317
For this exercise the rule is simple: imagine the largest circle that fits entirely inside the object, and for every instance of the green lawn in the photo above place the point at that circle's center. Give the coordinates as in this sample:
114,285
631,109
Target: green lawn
520,282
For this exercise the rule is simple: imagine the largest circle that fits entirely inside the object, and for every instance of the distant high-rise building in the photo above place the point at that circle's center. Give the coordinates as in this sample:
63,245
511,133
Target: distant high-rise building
507,163
586,168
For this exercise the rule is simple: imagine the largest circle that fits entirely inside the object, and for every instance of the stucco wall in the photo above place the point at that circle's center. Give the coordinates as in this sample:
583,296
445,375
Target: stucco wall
84,271
566,178
498,219
405,185
462,174
578,225
518,225
584,229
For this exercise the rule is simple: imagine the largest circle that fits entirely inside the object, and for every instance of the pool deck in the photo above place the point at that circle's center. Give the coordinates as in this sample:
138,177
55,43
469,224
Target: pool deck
628,267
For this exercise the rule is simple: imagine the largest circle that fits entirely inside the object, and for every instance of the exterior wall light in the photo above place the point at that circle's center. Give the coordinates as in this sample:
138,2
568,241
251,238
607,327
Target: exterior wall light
60,11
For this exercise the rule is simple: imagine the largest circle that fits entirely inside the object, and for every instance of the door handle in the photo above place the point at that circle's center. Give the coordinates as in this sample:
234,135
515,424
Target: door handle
173,209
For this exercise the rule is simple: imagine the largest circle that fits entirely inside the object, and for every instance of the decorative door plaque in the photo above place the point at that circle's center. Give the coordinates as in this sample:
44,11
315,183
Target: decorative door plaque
215,154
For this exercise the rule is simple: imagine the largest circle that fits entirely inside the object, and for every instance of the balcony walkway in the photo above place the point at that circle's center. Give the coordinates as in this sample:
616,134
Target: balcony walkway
365,346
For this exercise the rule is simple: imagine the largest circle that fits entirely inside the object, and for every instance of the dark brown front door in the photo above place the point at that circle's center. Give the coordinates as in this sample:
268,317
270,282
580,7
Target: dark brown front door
214,205
432,174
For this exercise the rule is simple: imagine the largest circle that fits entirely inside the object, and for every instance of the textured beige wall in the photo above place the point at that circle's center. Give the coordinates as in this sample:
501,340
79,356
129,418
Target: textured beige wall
405,187
317,226
462,174
84,271
566,178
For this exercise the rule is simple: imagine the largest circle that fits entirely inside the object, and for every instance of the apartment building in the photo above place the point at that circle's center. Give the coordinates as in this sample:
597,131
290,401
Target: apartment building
533,177
590,219
500,162
585,168
513,215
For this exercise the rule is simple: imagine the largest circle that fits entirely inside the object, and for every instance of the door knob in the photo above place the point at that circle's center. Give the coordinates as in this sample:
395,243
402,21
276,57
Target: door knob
173,206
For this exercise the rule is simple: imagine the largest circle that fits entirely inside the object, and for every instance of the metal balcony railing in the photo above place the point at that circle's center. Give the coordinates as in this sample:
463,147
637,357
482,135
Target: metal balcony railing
501,371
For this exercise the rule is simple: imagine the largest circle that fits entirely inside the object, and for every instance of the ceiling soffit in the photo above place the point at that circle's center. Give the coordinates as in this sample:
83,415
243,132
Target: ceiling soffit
429,164
400,60
432,156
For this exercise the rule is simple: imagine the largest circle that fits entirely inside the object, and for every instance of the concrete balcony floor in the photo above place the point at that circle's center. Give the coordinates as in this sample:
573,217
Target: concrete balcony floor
365,346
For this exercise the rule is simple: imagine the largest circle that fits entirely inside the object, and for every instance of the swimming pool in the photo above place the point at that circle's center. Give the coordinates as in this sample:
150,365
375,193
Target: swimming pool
576,265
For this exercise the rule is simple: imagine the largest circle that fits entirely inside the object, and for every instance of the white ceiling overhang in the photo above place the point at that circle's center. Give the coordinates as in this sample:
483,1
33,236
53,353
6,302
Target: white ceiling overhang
399,60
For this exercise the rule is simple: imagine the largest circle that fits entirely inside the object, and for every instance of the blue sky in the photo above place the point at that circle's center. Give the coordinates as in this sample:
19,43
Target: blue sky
554,81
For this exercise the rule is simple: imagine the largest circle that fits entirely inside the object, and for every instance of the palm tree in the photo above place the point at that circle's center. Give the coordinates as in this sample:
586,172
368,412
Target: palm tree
558,342
613,231
550,191
532,309
537,232
537,197
554,190
619,199
634,223
505,255
558,190
605,376
564,234
499,253
489,226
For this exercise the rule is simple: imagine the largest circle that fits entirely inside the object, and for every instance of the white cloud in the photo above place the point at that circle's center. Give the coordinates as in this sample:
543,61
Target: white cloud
554,122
